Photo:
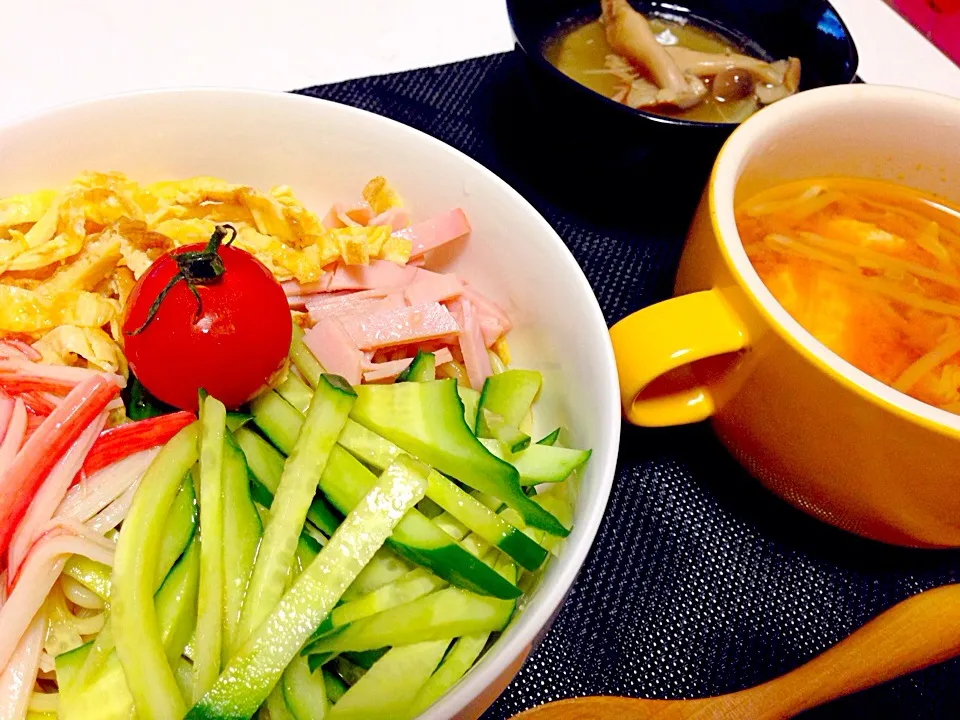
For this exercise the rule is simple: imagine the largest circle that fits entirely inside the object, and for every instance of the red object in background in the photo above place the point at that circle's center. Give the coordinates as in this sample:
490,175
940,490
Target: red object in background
938,20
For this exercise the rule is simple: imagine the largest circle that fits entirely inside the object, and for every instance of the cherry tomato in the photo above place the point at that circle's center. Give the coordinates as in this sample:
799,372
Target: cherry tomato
231,344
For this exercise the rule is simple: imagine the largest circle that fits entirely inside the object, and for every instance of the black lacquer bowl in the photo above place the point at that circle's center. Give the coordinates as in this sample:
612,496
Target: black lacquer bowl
596,132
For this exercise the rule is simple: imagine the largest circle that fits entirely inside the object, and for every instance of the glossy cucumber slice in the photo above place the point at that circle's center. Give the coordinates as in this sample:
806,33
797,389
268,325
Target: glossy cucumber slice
133,616
378,452
496,427
257,667
444,614
336,688
509,396
180,528
550,439
276,706
236,420
388,689
484,522
328,411
296,392
426,420
423,367
305,692
241,536
277,419
414,584
304,360
265,463
471,405
461,657
100,690
92,575
385,568
541,463
345,481
208,643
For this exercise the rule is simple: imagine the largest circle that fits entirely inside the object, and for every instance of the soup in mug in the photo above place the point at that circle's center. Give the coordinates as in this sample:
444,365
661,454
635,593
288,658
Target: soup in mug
872,270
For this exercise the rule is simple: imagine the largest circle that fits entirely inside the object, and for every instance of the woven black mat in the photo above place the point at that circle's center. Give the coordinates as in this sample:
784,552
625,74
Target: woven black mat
700,582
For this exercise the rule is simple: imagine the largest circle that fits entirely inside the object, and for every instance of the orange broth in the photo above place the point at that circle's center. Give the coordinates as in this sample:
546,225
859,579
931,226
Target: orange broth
869,268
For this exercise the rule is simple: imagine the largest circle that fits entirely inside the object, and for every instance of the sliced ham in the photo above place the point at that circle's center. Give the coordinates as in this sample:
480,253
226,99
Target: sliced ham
386,370
381,274
431,234
431,287
335,350
323,306
292,288
393,301
473,348
491,329
396,218
402,326
378,372
487,307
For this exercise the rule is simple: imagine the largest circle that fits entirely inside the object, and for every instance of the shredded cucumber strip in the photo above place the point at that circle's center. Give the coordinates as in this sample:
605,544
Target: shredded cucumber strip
455,665
304,360
329,408
257,667
134,618
387,690
208,643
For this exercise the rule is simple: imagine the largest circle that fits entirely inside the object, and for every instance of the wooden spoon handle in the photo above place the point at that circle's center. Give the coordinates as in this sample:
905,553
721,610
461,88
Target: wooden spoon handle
920,631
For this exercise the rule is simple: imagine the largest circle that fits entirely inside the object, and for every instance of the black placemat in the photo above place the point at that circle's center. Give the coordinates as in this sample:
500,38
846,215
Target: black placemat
700,582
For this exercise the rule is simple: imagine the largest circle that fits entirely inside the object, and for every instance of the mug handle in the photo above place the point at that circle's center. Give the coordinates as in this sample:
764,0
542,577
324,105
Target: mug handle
663,337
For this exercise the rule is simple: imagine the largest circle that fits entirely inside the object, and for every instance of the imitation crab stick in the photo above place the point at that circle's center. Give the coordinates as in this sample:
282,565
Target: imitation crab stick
15,433
44,563
51,493
121,441
23,477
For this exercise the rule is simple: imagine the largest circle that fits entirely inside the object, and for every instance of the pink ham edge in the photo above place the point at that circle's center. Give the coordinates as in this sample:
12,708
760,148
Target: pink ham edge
395,218
292,288
335,350
431,287
491,329
380,274
431,234
321,307
378,372
403,326
487,307
473,348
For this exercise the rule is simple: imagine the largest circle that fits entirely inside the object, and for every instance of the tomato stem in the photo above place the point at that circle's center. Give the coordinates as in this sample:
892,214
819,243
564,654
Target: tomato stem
197,267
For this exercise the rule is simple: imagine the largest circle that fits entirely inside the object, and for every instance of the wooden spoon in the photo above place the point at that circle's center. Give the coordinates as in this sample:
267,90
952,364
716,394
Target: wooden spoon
920,631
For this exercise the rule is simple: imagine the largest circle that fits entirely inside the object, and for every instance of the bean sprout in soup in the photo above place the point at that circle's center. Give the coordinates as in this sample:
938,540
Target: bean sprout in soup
872,270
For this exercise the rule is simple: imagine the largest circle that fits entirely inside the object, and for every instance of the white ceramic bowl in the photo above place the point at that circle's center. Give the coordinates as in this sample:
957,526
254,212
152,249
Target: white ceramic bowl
326,152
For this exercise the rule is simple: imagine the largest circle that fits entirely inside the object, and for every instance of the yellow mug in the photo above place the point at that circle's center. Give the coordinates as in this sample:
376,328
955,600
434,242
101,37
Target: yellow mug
820,433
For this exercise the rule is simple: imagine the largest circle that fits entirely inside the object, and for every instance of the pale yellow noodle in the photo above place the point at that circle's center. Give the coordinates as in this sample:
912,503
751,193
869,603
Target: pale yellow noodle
80,595
90,625
881,260
41,702
770,207
904,297
789,246
912,215
946,349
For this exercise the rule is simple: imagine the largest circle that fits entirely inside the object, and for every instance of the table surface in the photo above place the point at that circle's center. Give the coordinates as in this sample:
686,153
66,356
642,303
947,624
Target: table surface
57,51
